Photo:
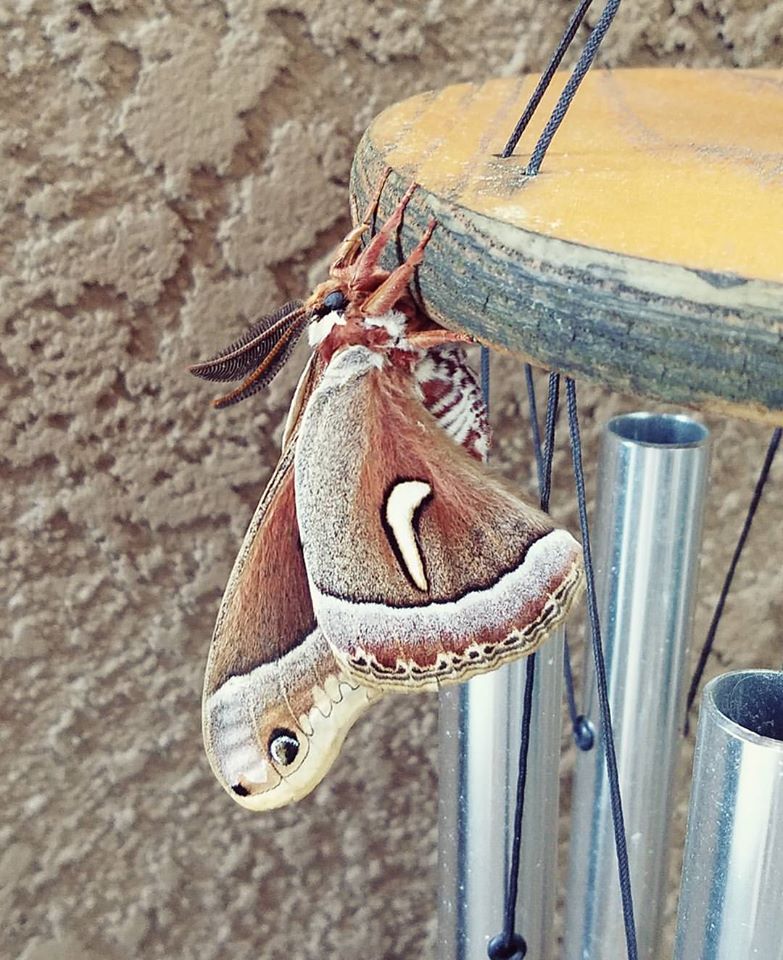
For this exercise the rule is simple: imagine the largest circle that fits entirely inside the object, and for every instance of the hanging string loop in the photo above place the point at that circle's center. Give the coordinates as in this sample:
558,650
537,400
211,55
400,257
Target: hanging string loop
546,77
583,64
510,945
602,687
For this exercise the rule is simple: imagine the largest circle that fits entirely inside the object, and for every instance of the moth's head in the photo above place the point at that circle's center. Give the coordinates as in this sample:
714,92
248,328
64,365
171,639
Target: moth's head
262,755
331,296
325,308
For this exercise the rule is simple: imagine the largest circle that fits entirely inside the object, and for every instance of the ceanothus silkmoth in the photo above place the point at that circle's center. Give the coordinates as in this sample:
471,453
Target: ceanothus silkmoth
383,556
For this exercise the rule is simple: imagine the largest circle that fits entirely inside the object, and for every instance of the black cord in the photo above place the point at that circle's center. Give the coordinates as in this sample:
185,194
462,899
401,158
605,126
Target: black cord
553,396
698,673
532,407
510,945
485,376
581,728
621,848
546,78
568,676
543,463
583,64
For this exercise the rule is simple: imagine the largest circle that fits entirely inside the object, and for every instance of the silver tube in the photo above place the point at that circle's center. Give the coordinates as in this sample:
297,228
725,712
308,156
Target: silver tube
731,901
647,533
480,723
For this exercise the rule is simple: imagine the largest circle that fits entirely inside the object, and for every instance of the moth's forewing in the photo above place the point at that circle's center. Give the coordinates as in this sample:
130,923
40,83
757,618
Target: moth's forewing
276,705
424,568
307,383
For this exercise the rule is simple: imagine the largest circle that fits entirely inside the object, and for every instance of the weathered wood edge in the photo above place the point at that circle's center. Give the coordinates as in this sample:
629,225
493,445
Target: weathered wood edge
656,330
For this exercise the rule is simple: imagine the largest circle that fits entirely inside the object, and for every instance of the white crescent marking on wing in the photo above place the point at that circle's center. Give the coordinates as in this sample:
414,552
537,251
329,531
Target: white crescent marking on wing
401,505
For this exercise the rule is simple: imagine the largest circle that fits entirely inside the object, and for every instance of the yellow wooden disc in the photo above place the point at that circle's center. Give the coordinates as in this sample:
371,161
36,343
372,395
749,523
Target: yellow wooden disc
648,252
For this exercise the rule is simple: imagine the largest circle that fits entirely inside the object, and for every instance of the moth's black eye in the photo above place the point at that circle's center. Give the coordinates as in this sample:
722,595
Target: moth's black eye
336,300
283,746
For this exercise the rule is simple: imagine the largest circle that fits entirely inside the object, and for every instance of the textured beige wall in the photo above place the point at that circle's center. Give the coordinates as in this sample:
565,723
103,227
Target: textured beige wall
169,169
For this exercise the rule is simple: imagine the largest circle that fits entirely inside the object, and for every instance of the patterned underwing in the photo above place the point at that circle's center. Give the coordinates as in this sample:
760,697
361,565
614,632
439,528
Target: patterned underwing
383,556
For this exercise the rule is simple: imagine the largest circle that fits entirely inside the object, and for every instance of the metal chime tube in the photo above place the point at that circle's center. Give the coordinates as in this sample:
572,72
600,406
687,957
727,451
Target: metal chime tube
646,533
480,725
731,901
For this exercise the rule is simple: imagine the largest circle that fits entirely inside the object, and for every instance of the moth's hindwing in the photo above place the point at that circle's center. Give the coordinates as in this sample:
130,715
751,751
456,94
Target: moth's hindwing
424,569
277,705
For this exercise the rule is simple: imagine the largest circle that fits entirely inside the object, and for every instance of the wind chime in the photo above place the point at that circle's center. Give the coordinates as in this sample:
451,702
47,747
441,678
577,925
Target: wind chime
406,566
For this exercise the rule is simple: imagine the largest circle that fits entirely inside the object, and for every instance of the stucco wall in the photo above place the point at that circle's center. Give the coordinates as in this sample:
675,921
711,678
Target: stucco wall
170,169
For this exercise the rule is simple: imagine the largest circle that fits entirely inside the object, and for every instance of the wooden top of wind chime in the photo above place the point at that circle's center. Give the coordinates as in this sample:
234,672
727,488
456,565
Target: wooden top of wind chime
646,255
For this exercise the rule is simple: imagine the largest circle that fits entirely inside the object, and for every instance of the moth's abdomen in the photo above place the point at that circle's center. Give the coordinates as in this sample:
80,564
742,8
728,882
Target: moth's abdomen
448,388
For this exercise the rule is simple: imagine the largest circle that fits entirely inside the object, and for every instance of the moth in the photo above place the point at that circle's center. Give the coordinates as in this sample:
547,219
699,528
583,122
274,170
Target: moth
383,555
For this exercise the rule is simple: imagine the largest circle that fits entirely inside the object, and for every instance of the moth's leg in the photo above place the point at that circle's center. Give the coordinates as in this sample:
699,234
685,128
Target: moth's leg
396,284
426,339
366,264
350,248
354,209
372,206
